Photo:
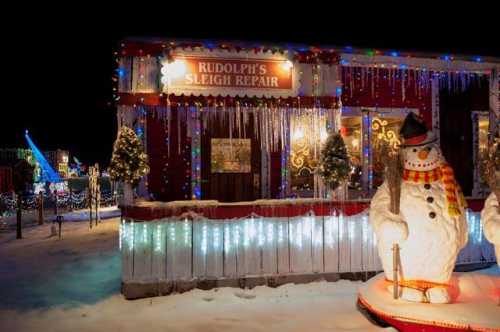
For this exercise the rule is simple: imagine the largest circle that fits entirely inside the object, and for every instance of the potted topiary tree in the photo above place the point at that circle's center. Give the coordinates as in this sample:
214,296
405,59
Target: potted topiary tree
334,166
129,162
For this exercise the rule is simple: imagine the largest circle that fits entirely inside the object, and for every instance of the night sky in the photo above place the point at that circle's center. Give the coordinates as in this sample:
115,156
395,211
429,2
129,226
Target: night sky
61,75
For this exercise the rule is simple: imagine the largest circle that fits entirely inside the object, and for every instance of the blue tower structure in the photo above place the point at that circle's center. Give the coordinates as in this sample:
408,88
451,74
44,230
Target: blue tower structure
48,174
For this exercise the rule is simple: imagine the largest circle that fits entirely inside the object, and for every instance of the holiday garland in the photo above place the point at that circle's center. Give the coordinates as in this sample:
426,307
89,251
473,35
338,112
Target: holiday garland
334,165
129,163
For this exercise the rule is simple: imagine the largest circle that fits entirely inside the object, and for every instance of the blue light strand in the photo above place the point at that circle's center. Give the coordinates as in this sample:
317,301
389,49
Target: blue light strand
48,174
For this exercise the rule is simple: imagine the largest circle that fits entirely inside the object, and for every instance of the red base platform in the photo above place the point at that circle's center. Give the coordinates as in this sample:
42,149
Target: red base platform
476,306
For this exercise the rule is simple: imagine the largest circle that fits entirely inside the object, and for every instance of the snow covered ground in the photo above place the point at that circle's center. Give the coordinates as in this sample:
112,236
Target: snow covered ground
30,218
47,284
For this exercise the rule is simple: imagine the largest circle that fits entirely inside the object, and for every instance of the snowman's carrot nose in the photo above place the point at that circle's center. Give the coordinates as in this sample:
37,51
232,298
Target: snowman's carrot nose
422,154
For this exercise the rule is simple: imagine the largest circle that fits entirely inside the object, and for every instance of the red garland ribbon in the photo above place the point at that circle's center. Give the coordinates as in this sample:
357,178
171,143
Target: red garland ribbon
313,55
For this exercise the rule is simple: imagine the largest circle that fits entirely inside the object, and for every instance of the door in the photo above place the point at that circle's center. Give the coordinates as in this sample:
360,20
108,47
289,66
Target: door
230,165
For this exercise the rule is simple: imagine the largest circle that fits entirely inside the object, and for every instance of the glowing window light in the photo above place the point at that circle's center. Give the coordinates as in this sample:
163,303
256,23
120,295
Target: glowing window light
173,70
286,65
298,134
323,136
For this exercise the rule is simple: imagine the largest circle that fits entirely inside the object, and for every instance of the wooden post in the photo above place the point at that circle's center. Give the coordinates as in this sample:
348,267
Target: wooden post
19,234
395,255
56,212
97,193
59,221
97,204
70,199
40,208
90,194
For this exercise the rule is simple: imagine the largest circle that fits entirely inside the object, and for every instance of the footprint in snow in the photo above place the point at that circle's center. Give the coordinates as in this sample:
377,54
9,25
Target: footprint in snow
244,295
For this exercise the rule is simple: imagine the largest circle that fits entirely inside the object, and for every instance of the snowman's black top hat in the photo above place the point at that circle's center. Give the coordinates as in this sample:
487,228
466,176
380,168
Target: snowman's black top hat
414,131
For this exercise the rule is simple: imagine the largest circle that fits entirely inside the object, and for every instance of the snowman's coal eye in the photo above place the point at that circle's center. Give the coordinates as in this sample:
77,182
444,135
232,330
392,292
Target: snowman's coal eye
428,149
414,150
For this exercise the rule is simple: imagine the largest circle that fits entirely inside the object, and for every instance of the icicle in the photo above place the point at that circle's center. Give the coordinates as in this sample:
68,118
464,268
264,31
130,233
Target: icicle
403,86
372,83
238,119
363,71
179,110
169,121
351,81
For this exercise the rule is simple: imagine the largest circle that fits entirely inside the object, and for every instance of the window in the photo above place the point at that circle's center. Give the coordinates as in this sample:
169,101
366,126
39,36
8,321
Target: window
480,130
307,132
364,130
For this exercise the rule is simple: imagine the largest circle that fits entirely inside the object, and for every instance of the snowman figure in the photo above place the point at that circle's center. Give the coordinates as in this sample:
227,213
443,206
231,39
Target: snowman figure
431,227
490,218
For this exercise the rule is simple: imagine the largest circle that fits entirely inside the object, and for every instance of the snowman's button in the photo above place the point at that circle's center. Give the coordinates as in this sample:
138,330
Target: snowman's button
432,215
427,186
430,199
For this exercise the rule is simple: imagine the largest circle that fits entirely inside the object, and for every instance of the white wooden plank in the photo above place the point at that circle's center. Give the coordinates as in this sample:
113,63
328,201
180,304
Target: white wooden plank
268,247
331,244
230,249
251,252
158,267
215,249
200,247
355,225
317,245
127,249
282,245
183,255
344,245
142,251
300,248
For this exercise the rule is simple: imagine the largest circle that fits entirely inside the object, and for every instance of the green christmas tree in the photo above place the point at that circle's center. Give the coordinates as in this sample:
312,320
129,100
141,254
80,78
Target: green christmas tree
129,163
334,165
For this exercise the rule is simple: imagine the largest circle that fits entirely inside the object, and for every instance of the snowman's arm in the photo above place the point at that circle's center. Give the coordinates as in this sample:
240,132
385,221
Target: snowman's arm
464,230
389,227
490,218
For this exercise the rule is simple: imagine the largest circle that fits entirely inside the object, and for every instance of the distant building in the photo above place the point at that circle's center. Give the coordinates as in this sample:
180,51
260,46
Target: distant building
59,159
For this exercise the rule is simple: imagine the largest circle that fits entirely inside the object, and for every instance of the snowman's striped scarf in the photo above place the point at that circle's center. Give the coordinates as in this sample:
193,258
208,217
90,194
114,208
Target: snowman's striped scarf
444,173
